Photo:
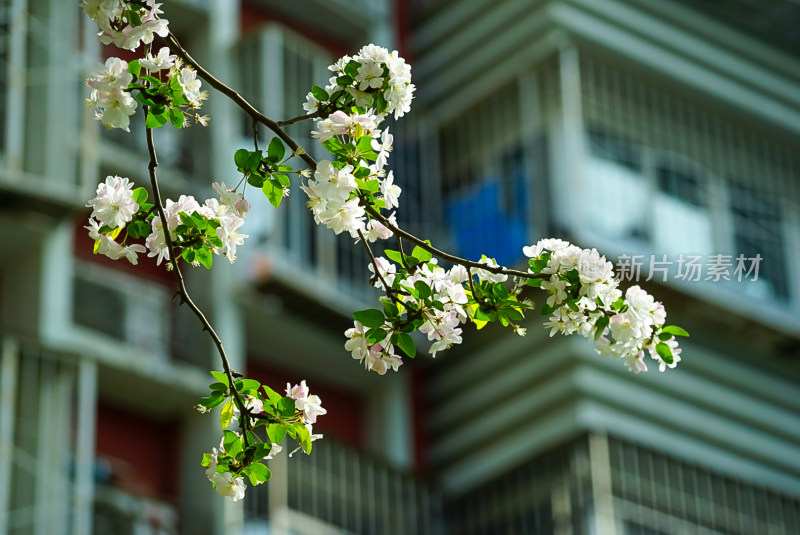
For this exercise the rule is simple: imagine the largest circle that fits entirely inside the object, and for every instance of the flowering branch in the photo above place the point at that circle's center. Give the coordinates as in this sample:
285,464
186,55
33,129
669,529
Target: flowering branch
346,194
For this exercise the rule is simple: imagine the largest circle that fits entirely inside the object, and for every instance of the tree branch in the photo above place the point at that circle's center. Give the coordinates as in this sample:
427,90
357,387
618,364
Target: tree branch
182,291
248,108
239,100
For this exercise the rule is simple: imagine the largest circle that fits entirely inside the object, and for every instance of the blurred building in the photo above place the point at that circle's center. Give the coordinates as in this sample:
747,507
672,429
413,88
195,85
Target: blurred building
666,134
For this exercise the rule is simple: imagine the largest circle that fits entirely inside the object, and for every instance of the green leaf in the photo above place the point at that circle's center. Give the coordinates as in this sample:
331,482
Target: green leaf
188,255
375,335
351,69
303,436
286,407
406,343
674,330
210,402
134,68
232,443
248,384
257,473
253,161
276,150
240,158
370,317
273,191
221,377
665,352
226,415
256,180
421,254
283,180
132,231
547,310
139,196
423,290
600,326
273,396
390,309
364,144
176,117
155,120
203,255
218,387
394,255
276,432
499,291
319,93
536,283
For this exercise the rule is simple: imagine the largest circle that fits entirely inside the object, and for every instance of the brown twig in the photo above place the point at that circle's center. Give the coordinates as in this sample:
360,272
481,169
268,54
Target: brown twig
185,298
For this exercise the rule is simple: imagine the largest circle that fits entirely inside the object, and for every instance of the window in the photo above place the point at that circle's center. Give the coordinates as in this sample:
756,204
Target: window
616,186
120,307
758,230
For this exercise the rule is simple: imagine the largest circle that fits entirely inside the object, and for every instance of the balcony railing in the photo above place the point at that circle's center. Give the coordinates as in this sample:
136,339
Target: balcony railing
338,489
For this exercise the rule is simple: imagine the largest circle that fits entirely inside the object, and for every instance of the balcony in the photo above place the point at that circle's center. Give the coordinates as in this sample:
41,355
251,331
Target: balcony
338,489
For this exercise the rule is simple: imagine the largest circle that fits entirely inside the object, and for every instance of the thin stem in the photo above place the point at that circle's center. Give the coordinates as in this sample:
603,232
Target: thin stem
402,252
472,287
182,291
389,291
447,256
287,122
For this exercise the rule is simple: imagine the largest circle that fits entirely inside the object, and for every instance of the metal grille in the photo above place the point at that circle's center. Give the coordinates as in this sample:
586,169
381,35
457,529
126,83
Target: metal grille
552,494
656,494
483,179
675,174
347,490
38,440
5,23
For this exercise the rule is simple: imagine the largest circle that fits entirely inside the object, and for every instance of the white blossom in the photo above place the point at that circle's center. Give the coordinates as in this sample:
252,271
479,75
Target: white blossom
114,205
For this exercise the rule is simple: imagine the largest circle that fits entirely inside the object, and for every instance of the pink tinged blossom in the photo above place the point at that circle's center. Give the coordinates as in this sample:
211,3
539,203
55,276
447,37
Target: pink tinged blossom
161,61
230,236
635,362
348,217
370,76
380,359
187,78
274,450
115,251
231,199
114,205
311,407
357,341
386,269
488,275
156,242
297,392
377,230
390,191
227,485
